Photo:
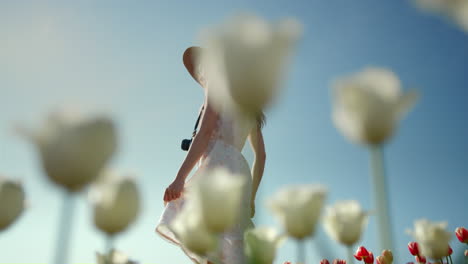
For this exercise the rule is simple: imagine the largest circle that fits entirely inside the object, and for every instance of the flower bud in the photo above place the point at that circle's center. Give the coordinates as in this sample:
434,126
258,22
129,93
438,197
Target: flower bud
74,150
299,208
361,253
462,234
339,261
387,254
413,248
369,259
261,244
345,222
421,259
116,205
381,260
113,257
11,202
433,238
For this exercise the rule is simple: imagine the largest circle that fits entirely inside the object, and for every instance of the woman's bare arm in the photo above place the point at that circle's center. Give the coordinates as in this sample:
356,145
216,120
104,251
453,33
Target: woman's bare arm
200,141
199,144
258,146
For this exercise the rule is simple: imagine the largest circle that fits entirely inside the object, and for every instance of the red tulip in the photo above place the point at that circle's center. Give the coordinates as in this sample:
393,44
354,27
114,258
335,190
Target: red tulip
413,248
361,253
421,259
369,259
466,253
462,234
450,251
324,261
339,261
289,262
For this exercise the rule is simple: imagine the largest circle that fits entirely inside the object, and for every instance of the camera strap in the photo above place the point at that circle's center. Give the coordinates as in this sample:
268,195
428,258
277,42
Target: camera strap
198,121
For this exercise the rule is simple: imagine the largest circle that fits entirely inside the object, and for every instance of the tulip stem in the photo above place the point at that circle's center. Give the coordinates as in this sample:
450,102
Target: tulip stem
109,243
322,247
301,257
350,255
381,200
450,257
65,227
220,250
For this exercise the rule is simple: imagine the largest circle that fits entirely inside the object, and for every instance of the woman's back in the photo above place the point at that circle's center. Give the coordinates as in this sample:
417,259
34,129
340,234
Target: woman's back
233,127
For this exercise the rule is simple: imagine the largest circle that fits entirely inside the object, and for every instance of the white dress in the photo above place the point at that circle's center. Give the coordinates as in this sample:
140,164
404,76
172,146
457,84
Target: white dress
224,149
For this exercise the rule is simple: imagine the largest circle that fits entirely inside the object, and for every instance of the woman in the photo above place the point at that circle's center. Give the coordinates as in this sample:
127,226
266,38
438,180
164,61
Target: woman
219,142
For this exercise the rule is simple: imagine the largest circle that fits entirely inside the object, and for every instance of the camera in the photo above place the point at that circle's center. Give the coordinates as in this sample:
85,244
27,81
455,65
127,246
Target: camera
186,144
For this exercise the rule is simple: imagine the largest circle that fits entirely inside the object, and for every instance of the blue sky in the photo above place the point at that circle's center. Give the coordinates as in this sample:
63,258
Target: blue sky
124,58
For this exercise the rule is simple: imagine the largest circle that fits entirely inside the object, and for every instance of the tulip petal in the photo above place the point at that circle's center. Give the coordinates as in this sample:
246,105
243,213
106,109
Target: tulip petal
406,102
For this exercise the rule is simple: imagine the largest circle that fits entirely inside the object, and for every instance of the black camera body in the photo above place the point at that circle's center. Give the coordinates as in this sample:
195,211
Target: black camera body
185,144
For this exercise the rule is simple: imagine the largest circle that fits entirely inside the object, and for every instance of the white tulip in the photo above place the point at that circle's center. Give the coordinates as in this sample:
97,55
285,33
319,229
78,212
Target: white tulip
74,150
113,257
433,238
369,104
191,231
12,202
345,221
457,10
261,244
116,204
220,193
299,208
245,59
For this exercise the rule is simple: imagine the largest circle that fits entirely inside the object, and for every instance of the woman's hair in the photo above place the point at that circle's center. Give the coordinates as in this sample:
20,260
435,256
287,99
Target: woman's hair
261,119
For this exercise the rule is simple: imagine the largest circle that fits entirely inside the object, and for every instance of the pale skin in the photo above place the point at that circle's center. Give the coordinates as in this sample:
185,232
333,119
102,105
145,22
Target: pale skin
208,126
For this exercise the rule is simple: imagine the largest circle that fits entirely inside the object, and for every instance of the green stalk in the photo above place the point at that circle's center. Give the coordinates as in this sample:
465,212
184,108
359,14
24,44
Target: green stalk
301,257
381,200
350,255
65,227
109,243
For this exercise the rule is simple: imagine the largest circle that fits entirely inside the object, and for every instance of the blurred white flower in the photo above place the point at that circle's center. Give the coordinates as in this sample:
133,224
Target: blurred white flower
219,194
261,244
433,238
298,208
74,149
246,57
113,257
12,202
368,105
457,10
191,231
116,203
345,221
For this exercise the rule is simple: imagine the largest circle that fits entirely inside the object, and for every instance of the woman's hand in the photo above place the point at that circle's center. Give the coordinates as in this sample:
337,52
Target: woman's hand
174,190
